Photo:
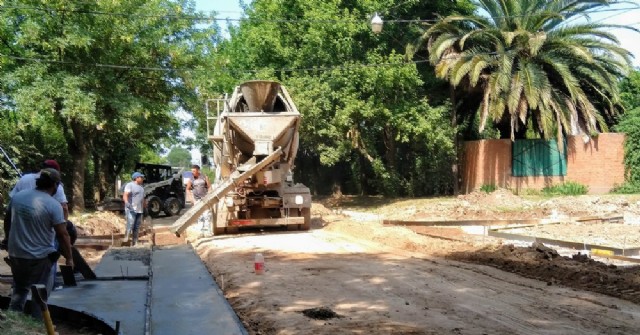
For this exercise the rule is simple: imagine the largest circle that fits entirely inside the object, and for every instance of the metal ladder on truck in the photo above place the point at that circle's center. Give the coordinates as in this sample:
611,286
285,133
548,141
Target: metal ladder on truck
213,197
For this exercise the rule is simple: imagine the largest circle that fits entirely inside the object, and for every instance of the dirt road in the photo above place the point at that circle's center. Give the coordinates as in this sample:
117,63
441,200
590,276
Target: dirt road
379,289
352,275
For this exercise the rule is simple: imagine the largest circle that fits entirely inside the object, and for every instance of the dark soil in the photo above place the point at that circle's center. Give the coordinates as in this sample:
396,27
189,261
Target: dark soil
537,261
544,264
320,313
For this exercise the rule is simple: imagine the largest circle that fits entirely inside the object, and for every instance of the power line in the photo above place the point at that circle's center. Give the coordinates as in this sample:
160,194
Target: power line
93,12
311,69
111,66
166,69
405,2
348,67
208,18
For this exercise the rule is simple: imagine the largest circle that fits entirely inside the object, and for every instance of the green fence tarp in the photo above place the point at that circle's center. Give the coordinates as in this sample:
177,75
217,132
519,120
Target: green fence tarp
537,158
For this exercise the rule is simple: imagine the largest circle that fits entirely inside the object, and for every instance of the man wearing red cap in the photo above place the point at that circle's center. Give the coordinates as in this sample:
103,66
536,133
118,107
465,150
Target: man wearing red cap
50,163
28,182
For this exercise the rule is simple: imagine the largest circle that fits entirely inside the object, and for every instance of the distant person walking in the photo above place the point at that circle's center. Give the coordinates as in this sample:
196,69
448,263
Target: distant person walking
35,220
134,204
199,186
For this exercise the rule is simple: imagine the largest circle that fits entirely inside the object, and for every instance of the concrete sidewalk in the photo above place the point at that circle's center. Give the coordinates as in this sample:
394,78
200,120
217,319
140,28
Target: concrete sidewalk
185,298
180,296
118,300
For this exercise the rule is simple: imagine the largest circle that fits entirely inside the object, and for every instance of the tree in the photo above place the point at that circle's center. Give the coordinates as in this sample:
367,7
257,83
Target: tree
528,67
101,77
630,90
367,126
629,124
179,157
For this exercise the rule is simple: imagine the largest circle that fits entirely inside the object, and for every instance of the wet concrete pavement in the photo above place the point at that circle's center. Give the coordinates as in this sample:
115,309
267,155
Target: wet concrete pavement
179,296
186,300
109,301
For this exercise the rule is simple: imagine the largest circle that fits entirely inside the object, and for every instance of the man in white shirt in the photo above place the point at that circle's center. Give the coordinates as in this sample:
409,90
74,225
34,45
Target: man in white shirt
134,204
28,182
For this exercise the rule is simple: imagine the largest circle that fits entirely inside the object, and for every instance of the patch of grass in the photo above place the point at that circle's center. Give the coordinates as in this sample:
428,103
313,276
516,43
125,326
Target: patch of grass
627,188
16,323
530,192
488,188
568,188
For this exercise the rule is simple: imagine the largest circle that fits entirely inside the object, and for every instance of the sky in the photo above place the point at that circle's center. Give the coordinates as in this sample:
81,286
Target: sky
628,39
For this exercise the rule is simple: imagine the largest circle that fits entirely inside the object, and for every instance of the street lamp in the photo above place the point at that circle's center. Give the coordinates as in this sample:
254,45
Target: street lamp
376,24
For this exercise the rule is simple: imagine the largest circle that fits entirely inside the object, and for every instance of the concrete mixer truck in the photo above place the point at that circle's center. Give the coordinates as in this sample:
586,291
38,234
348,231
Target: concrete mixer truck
255,141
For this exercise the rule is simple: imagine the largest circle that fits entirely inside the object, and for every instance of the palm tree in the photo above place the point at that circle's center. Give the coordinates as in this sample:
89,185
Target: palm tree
534,65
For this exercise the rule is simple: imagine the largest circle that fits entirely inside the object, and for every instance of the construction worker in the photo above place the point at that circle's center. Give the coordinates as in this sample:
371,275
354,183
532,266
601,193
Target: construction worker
35,220
134,204
28,182
199,186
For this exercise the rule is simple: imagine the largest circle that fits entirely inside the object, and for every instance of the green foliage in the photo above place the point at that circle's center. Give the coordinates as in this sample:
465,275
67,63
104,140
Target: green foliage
66,99
470,128
151,156
627,188
488,188
527,65
367,126
8,175
530,192
567,188
630,90
179,156
210,173
630,125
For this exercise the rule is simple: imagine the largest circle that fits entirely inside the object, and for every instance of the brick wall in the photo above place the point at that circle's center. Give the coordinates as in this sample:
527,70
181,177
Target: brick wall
597,164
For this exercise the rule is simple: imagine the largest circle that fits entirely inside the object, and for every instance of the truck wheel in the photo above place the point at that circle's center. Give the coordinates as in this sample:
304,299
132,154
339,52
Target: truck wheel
231,230
172,206
154,206
219,214
306,213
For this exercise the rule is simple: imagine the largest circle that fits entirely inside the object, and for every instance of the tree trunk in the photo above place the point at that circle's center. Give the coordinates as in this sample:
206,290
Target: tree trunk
336,182
79,152
77,186
455,168
100,185
390,143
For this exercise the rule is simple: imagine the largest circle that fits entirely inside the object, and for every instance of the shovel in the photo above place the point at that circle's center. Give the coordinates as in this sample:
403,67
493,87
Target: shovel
37,293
